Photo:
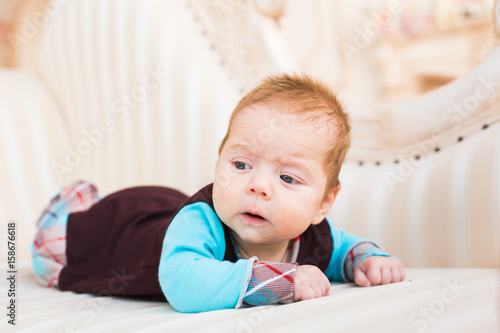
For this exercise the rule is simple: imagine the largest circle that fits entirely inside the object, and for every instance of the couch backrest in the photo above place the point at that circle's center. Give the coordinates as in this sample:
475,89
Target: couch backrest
145,96
442,210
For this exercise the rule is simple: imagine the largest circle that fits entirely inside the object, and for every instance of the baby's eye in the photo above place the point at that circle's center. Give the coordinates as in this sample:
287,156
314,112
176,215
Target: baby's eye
289,180
241,165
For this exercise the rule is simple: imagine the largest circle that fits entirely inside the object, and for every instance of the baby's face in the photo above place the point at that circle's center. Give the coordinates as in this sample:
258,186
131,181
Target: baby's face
269,180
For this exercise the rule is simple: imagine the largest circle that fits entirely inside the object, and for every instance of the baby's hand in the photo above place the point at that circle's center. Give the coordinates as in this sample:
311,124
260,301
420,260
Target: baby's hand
309,282
377,270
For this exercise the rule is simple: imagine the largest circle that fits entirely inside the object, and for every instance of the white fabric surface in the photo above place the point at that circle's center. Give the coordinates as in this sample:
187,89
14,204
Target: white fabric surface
424,302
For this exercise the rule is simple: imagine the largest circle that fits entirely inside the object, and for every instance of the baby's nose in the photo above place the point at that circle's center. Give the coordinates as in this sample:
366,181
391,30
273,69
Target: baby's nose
260,187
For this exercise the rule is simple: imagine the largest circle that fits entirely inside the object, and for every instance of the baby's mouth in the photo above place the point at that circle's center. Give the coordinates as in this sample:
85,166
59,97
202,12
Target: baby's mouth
253,219
255,216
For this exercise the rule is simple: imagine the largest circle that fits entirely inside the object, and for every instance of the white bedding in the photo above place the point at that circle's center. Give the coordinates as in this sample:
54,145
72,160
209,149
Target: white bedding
424,302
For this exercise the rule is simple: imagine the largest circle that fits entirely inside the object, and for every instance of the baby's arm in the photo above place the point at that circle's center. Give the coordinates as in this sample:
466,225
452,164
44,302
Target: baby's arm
270,283
367,265
275,282
356,254
310,282
364,263
192,273
194,277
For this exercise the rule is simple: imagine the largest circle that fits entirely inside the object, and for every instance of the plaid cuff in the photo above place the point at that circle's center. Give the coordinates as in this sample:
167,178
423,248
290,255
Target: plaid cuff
77,197
48,250
270,283
357,254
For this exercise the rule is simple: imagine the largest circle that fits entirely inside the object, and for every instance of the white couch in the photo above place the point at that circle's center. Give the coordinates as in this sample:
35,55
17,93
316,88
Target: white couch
126,93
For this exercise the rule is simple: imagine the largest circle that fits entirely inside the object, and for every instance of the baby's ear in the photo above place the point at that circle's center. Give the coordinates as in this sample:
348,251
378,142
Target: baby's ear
327,204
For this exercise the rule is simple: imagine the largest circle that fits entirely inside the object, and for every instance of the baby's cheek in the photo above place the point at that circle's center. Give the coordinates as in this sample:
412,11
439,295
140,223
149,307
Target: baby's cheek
221,192
222,199
221,185
224,173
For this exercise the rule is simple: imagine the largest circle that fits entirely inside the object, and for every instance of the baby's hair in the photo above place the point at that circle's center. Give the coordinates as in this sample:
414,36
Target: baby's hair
314,101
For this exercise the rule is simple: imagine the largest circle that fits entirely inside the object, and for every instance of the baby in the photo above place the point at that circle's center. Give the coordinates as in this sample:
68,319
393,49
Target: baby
257,235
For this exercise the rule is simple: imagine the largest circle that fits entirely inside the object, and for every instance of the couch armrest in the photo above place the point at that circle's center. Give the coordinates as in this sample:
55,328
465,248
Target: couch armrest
30,129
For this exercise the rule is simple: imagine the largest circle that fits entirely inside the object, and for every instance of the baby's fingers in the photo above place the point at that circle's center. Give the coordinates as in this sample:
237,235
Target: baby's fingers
305,293
323,286
360,278
327,285
318,288
386,275
311,290
396,274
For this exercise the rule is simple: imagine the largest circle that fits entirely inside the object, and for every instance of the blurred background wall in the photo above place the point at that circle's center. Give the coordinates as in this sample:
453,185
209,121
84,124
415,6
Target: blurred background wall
371,50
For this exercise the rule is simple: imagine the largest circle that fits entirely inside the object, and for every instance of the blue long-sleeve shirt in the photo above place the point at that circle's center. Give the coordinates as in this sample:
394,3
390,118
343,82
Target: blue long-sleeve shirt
193,275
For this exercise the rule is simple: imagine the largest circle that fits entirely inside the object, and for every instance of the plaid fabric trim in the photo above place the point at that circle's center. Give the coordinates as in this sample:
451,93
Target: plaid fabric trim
359,253
49,247
271,283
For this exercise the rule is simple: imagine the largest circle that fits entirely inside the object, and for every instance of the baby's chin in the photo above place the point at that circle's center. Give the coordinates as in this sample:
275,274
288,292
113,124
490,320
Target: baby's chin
256,239
246,236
